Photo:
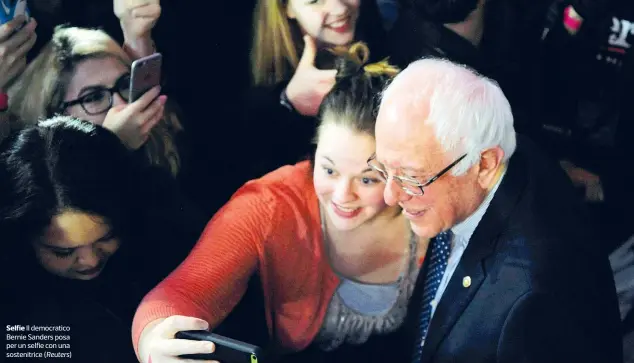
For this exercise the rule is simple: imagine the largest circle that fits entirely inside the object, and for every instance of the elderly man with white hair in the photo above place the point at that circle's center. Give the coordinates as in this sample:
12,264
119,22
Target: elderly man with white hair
513,272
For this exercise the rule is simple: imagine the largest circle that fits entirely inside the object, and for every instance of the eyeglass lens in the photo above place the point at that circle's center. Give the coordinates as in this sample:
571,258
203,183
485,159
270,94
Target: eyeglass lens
100,99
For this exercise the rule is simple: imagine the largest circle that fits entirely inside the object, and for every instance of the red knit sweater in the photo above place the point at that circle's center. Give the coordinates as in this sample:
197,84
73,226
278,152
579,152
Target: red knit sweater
271,225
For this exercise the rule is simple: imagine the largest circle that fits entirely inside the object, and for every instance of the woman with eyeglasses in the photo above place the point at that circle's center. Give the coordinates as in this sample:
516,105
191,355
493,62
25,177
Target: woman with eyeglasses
337,265
85,73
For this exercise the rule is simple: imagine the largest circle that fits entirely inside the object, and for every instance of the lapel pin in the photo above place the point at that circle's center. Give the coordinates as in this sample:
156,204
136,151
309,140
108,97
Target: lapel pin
466,281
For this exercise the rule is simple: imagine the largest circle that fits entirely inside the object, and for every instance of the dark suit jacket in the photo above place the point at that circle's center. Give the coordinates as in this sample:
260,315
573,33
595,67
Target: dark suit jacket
541,291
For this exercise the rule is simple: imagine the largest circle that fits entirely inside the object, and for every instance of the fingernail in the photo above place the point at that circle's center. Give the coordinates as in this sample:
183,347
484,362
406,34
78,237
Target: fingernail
162,99
204,325
211,347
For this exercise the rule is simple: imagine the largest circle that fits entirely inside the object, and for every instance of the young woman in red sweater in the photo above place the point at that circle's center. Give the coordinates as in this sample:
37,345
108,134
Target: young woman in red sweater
337,265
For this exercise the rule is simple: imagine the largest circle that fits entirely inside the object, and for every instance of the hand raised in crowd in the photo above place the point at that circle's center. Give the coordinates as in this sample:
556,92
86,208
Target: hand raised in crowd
309,85
138,18
14,45
583,178
133,122
158,345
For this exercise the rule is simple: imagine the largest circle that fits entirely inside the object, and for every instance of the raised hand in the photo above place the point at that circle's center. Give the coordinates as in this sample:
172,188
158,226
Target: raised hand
309,85
138,18
14,45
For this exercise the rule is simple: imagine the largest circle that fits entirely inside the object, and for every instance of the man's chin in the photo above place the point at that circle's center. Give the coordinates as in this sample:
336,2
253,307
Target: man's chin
423,230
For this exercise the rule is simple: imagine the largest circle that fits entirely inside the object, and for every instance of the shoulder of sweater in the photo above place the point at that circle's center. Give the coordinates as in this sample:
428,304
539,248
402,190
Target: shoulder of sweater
283,203
292,176
290,185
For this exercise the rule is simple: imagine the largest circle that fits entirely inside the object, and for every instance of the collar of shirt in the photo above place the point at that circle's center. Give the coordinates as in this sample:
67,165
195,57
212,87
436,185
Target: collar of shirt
464,230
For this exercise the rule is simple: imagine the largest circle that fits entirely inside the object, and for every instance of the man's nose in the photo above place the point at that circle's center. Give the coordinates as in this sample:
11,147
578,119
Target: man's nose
393,193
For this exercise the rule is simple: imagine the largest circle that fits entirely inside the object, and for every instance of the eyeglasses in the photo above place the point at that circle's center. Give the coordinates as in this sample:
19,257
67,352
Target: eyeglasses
410,185
99,99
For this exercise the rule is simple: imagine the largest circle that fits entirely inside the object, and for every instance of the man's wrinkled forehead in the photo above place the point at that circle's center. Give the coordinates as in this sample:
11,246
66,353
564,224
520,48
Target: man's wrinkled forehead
405,100
402,114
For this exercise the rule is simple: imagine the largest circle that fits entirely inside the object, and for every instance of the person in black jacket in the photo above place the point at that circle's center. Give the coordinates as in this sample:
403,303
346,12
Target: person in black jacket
498,38
87,231
514,271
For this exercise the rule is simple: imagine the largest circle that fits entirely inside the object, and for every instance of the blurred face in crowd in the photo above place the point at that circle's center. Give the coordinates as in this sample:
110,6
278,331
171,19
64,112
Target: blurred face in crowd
349,191
330,22
76,245
100,83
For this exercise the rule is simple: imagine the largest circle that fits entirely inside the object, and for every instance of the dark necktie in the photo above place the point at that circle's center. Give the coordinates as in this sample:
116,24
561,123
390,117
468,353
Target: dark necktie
438,258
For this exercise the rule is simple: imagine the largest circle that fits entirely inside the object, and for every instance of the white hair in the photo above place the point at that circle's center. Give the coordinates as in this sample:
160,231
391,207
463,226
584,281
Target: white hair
468,111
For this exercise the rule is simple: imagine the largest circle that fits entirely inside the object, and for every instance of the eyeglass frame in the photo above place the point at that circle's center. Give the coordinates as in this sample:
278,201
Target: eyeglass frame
412,181
116,88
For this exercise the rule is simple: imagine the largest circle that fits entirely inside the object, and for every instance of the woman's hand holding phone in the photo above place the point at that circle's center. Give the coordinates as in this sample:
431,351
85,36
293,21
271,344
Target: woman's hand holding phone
133,122
14,45
158,345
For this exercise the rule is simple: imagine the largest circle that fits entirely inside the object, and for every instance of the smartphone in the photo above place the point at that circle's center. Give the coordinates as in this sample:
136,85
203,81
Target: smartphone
145,74
11,9
227,350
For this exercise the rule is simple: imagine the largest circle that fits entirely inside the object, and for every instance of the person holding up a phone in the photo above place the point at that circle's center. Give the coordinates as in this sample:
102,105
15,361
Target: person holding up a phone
84,73
16,39
336,264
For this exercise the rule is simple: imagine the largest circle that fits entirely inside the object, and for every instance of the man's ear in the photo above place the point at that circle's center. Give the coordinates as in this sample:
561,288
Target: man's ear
490,163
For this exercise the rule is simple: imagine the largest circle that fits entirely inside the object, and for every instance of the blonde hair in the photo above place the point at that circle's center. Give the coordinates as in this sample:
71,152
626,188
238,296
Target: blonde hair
274,55
39,92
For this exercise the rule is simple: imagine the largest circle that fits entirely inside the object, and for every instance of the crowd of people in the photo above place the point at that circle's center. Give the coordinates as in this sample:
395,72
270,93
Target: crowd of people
331,180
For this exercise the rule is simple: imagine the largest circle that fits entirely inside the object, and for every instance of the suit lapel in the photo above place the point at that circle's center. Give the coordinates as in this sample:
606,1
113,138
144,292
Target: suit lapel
454,300
457,296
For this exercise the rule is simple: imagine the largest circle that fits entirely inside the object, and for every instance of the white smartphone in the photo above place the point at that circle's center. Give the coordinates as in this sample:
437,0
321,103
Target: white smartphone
145,74
11,9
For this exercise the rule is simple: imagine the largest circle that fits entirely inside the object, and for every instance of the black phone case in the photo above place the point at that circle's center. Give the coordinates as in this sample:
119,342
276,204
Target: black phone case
227,350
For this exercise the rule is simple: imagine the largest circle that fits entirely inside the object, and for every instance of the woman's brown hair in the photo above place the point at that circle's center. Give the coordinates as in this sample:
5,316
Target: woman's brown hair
353,101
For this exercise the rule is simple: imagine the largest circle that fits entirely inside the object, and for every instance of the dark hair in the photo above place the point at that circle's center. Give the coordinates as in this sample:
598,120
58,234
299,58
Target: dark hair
65,164
354,100
444,11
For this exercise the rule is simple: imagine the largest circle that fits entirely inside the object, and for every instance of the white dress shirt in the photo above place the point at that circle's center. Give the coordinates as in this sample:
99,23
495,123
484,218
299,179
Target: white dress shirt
461,235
